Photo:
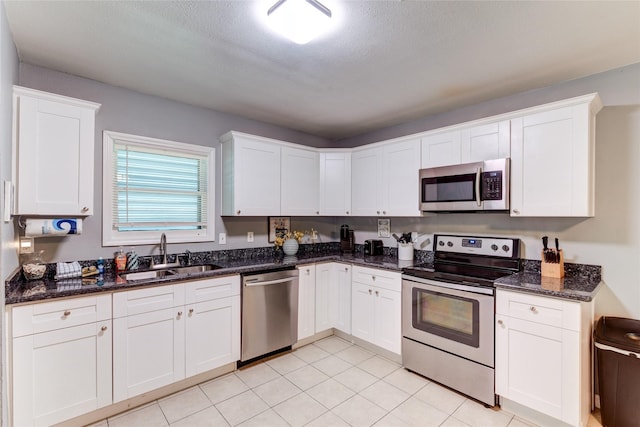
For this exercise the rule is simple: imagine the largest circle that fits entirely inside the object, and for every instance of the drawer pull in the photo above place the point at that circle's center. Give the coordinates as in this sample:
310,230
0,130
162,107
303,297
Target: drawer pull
500,322
346,269
66,313
369,291
179,313
533,309
191,311
377,293
373,278
85,209
104,328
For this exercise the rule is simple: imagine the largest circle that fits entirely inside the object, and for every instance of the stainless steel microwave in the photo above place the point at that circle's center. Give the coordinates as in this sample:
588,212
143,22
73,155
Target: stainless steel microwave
469,187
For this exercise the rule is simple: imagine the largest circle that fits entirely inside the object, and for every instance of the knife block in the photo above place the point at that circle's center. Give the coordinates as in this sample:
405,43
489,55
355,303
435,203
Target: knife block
553,269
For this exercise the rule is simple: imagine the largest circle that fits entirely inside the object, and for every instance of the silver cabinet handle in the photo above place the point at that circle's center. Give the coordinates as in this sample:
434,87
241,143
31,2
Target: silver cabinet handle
373,278
384,212
369,291
500,322
346,269
67,313
516,211
308,272
347,212
317,212
104,328
85,209
377,293
378,212
191,311
179,313
533,309
238,212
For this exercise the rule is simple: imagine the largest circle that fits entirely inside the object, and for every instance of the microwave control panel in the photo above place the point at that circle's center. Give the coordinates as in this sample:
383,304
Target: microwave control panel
491,185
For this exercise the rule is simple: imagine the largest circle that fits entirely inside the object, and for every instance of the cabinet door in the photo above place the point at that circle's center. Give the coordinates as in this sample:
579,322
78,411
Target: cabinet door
148,352
256,177
401,166
335,184
486,142
326,311
61,374
54,158
362,312
529,368
442,149
387,319
366,181
342,278
306,301
300,182
212,334
552,156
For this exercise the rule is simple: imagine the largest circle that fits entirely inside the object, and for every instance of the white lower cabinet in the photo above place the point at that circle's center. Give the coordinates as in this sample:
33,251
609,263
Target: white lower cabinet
306,301
167,333
376,306
333,297
543,354
61,359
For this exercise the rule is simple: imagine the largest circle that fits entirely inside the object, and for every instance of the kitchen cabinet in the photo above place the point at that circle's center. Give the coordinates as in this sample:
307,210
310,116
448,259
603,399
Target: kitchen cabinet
164,334
553,158
335,183
306,301
251,168
376,306
441,149
300,182
385,179
543,354
485,142
212,302
61,359
53,146
333,297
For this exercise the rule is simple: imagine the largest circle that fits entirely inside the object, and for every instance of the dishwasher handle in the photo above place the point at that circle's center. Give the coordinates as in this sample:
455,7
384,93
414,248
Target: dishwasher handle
257,282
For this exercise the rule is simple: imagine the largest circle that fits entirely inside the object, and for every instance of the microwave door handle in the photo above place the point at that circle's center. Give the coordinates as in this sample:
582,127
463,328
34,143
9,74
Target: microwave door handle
478,173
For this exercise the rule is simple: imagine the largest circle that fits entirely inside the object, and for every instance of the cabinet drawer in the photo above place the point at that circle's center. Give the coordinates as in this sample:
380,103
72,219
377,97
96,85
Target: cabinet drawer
48,316
543,310
374,277
147,299
210,289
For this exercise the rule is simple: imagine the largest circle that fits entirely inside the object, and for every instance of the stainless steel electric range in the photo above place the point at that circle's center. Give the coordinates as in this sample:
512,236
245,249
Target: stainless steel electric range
448,312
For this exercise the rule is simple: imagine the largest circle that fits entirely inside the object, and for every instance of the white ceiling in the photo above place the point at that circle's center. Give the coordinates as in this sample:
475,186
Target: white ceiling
383,63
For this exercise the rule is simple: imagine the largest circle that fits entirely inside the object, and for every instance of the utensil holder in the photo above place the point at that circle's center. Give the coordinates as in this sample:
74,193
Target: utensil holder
405,251
553,269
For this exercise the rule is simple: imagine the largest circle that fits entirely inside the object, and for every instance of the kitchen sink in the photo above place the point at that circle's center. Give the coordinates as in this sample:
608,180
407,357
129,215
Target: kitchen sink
195,269
167,272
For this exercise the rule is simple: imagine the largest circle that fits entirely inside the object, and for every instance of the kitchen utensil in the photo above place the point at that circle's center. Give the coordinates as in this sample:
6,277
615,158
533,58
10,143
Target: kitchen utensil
545,250
395,236
557,251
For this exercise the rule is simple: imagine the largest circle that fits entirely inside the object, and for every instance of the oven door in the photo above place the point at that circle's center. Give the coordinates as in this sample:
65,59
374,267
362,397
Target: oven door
451,188
451,317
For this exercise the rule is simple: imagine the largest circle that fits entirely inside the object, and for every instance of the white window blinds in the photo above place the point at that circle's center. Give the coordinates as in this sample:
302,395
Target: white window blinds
153,186
158,191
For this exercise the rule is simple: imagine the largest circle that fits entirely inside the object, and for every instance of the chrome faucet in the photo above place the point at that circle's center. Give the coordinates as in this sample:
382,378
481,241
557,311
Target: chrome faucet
163,248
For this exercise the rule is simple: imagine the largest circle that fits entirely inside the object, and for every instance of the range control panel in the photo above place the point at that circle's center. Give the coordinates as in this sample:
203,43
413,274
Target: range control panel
491,246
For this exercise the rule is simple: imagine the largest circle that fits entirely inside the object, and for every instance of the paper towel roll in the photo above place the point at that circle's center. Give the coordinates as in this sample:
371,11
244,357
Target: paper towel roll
51,227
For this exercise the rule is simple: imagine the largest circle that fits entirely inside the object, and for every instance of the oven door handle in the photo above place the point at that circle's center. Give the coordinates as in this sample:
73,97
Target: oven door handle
447,285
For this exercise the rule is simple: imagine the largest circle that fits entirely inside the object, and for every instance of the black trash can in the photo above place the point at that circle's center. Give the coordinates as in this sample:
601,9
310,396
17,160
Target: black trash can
617,342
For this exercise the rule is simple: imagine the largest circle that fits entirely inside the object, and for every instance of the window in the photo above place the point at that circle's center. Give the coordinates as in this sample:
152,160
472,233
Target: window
153,186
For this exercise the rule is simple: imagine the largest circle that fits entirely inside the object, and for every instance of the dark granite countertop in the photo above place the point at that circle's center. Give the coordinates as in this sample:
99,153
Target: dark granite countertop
580,283
21,291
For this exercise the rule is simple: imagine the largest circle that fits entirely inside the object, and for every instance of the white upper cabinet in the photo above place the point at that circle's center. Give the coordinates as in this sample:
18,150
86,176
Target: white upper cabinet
53,146
485,142
441,149
385,179
335,183
250,175
300,182
552,159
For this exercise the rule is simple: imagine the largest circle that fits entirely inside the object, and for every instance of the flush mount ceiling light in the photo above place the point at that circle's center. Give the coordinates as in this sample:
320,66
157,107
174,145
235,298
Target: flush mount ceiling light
299,20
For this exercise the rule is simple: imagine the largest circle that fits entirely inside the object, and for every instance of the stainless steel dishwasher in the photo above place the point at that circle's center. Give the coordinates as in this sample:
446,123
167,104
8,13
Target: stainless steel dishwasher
269,312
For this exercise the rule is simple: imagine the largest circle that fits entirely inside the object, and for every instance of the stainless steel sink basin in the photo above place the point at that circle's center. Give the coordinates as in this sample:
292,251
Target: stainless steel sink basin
195,269
166,272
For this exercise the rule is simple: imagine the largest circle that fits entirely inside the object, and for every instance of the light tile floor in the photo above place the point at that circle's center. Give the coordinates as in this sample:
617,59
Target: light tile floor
328,383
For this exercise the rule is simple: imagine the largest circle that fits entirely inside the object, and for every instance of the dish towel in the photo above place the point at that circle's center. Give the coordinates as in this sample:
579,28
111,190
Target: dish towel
66,270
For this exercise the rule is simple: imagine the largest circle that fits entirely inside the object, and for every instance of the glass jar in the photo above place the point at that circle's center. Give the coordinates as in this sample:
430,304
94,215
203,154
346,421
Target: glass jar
35,267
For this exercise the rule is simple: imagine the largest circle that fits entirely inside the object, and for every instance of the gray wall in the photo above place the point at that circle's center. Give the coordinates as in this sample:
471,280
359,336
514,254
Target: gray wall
135,113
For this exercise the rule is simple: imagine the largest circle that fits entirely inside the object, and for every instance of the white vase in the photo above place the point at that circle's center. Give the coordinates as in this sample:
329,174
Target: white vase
290,247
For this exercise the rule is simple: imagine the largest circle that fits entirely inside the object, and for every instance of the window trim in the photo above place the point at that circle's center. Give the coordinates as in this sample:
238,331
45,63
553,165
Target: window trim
111,237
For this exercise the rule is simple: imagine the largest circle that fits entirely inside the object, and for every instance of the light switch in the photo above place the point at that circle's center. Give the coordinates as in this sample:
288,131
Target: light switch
250,236
222,239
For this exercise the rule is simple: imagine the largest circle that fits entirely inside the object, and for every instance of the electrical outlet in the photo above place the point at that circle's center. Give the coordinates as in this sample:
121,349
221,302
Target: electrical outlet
314,234
249,236
222,239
